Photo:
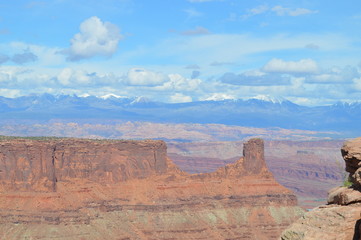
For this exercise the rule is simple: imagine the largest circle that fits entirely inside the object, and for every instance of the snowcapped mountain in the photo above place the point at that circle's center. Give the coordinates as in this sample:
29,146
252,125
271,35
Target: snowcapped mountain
260,111
268,98
107,96
141,100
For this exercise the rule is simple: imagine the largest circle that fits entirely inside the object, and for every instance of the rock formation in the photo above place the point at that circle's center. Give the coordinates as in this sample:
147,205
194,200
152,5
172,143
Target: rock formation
309,168
341,218
40,165
111,189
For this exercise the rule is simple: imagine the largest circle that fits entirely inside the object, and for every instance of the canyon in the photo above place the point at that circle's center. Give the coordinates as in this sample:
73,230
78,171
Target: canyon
307,162
64,188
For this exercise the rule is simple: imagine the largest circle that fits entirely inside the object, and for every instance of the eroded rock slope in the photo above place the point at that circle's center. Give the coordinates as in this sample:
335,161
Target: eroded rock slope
309,168
89,189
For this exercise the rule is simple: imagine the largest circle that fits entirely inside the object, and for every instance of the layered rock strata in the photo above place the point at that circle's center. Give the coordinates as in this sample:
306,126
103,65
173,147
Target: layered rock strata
341,218
26,164
309,168
88,189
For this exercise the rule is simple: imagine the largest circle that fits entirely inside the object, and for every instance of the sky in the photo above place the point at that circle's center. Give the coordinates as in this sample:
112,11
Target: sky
183,50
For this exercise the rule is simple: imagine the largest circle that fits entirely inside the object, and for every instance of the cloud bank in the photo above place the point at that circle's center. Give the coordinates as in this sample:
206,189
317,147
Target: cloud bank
143,77
278,10
280,66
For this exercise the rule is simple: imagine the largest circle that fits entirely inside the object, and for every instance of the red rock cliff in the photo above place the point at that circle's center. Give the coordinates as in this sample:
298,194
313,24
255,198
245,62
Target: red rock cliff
87,189
38,165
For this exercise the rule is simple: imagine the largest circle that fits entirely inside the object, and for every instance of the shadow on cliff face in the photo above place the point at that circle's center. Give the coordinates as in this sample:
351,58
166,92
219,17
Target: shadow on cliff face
357,235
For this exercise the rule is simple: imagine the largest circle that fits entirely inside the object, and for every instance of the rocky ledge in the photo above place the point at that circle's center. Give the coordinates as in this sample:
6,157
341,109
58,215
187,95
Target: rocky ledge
340,219
88,189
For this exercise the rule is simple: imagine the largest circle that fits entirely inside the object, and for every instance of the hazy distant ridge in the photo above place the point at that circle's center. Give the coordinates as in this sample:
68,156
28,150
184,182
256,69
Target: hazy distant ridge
342,117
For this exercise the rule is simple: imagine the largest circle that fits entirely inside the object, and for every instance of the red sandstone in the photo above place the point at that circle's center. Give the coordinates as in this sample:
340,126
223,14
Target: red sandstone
89,189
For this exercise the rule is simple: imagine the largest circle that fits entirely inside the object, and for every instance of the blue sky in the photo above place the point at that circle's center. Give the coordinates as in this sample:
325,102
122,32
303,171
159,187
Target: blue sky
183,50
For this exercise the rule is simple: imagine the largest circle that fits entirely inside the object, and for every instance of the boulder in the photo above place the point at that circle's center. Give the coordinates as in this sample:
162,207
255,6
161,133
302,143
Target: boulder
351,152
343,196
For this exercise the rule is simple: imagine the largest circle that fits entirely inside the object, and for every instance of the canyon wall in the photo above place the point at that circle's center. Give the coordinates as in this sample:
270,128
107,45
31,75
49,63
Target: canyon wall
91,189
26,164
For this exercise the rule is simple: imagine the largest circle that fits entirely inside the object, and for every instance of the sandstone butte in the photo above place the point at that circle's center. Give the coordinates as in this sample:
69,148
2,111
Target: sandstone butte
340,219
117,190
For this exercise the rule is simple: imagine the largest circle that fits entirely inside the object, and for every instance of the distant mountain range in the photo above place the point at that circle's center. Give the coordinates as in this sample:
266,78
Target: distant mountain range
262,112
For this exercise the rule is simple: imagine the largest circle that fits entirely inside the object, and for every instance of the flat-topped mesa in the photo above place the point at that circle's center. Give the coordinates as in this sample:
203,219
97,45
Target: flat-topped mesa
38,165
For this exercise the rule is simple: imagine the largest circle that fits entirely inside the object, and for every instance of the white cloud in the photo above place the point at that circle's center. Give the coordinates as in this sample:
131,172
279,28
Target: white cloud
217,64
44,56
193,13
179,83
326,78
283,11
73,77
254,73
357,83
255,79
279,10
65,76
180,98
10,93
236,48
256,11
95,38
69,77
5,77
281,66
143,77
10,75
335,75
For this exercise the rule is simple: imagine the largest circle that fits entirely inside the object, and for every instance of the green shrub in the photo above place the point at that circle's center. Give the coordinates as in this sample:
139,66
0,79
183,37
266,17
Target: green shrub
347,182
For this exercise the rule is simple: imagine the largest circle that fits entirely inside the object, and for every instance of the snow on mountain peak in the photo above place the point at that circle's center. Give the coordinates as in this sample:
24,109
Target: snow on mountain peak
268,98
140,99
111,95
220,97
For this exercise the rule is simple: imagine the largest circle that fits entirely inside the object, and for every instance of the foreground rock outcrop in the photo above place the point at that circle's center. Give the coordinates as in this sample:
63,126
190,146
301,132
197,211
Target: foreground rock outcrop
90,189
341,218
